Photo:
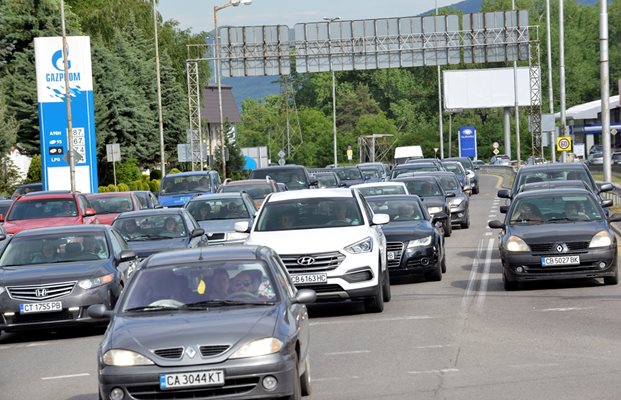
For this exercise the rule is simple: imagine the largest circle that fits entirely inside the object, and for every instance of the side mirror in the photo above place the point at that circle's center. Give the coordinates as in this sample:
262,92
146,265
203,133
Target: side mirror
496,224
614,217
381,219
504,209
89,212
127,255
1,218
504,193
305,296
450,194
439,217
99,311
242,226
606,187
342,184
467,188
606,203
313,182
197,232
2,236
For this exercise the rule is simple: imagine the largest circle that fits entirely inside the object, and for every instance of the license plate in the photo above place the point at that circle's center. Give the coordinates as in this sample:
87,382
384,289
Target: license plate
40,307
189,379
560,260
390,255
309,278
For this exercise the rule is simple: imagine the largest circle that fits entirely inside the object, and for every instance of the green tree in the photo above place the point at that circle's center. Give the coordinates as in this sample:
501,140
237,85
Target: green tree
34,171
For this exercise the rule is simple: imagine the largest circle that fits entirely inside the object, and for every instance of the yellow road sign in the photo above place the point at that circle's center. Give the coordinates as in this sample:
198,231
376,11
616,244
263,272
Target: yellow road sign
563,143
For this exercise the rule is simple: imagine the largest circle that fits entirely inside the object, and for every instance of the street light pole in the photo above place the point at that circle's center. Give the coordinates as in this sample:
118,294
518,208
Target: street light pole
159,92
70,158
330,20
234,3
440,127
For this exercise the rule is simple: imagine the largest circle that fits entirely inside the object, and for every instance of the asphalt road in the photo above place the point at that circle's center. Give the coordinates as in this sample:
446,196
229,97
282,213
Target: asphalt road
461,338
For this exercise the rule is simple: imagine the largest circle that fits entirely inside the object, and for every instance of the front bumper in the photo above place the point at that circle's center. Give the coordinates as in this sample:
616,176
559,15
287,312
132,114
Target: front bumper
413,261
242,379
531,269
459,214
74,309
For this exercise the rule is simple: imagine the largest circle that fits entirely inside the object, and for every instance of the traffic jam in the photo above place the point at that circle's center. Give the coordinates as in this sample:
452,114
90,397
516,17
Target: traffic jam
217,289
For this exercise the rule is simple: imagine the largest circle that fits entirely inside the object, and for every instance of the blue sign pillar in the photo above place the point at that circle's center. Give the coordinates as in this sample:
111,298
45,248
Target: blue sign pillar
53,113
468,142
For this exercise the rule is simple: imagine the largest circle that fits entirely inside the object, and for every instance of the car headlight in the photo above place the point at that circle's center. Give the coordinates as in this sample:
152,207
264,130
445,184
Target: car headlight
363,246
1,289
125,358
91,283
515,243
236,236
456,202
601,239
261,347
434,210
426,241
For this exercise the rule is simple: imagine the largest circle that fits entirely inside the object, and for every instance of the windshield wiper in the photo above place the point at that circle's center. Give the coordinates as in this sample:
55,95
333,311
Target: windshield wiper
563,219
517,221
201,305
151,308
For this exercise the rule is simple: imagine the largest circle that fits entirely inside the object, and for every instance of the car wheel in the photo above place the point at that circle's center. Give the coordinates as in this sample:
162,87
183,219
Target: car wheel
475,190
376,303
443,265
387,293
436,274
612,280
305,379
509,284
297,389
448,228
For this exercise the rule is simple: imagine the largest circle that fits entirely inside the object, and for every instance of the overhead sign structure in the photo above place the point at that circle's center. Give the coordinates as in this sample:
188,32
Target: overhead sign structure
468,142
563,143
53,113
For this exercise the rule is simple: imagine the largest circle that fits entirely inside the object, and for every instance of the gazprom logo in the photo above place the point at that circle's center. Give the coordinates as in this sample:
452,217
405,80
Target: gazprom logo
467,132
57,63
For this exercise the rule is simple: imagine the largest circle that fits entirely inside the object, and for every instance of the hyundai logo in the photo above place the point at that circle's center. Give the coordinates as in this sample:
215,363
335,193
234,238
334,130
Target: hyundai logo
41,292
306,260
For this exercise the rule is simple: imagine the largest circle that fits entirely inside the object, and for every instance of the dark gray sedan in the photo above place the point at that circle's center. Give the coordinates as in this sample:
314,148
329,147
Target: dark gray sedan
49,276
215,322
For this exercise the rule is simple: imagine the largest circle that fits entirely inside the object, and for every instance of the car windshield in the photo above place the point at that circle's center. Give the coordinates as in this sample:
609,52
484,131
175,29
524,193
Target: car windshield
110,204
43,208
349,173
414,168
371,173
255,191
294,178
200,285
215,209
449,183
326,180
424,187
553,175
309,213
455,168
380,190
554,209
152,227
175,184
398,210
45,249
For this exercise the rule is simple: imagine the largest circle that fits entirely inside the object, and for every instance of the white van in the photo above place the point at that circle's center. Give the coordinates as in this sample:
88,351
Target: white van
404,153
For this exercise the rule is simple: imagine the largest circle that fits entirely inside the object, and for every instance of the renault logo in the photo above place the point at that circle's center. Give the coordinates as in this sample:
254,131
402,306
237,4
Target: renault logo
306,260
561,248
190,352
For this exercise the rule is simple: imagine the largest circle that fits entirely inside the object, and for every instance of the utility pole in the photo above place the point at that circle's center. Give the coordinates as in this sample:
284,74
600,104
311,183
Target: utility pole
550,85
605,79
70,158
517,107
440,127
561,57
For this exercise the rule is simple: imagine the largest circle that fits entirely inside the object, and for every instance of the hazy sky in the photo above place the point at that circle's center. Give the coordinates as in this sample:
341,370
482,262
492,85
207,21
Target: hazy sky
198,14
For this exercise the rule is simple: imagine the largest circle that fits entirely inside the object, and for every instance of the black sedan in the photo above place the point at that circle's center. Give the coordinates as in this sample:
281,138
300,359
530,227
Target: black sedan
414,245
160,229
557,234
49,276
216,322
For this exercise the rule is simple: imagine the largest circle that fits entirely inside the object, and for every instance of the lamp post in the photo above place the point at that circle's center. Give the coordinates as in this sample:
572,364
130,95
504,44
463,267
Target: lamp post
234,3
70,158
440,127
159,91
330,20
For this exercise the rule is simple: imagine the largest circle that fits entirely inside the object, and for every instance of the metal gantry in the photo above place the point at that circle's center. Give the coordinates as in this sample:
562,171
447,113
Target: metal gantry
195,135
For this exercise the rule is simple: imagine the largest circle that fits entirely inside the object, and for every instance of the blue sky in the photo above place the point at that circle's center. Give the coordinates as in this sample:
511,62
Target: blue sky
198,14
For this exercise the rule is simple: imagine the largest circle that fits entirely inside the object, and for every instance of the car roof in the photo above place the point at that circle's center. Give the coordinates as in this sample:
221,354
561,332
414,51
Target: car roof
191,173
109,194
286,166
553,192
221,195
52,194
418,164
65,229
213,253
393,197
151,211
249,182
376,184
553,185
313,193
552,167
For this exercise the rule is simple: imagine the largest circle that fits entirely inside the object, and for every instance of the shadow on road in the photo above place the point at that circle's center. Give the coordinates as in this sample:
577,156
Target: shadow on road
49,335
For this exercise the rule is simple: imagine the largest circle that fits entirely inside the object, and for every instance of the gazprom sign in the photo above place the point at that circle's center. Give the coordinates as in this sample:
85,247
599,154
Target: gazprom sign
468,142
51,95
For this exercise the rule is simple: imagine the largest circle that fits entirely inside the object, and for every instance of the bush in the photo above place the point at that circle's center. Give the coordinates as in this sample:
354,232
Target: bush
112,188
128,171
34,171
173,171
122,187
155,174
154,185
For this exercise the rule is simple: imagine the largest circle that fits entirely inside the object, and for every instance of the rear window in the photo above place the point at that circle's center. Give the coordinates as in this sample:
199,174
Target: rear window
294,178
175,184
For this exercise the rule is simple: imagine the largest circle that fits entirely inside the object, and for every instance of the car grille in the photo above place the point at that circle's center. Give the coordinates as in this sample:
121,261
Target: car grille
551,247
215,236
64,315
210,351
559,269
40,292
323,262
397,248
232,386
173,353
323,288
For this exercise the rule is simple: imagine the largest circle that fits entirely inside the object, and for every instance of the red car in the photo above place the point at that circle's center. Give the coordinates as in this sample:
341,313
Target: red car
109,205
51,208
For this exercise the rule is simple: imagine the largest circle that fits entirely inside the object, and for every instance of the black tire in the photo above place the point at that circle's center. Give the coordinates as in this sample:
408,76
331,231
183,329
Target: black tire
448,228
475,190
297,389
375,304
443,264
508,284
612,280
305,379
436,274
387,292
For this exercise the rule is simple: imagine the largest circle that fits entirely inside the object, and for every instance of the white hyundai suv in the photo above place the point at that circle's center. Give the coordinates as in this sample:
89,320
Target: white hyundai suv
329,240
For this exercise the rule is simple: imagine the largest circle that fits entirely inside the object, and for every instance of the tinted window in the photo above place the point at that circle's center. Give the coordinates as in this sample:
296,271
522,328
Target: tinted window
399,210
294,178
111,204
43,208
176,184
212,209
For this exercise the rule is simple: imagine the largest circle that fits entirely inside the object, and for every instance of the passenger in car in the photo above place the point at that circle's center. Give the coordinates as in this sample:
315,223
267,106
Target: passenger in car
49,253
528,213
219,284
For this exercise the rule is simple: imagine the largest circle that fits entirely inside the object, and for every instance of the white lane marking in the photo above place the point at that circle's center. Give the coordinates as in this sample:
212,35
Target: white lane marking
47,378
565,309
542,365
21,346
434,371
486,269
340,353
488,233
471,278
358,321
335,378
435,346
492,216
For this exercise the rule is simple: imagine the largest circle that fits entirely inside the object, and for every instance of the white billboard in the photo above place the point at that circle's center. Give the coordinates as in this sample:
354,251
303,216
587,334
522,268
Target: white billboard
486,88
